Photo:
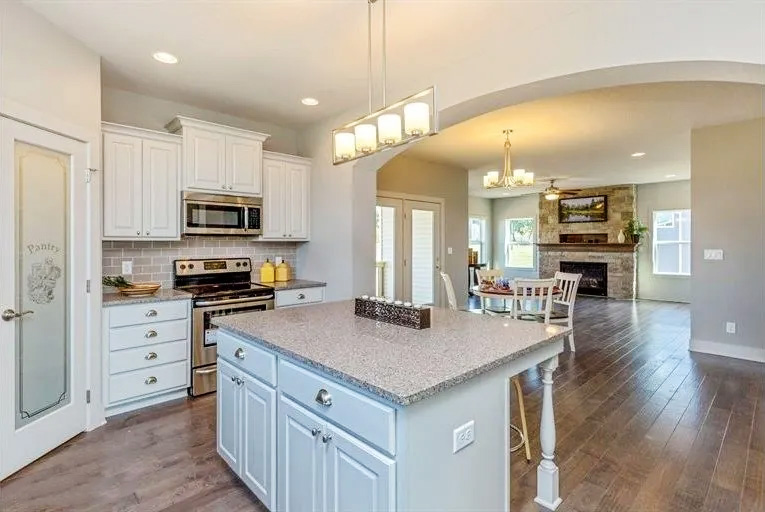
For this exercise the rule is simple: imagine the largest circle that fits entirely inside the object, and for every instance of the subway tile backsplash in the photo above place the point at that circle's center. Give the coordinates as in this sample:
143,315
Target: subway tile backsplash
153,261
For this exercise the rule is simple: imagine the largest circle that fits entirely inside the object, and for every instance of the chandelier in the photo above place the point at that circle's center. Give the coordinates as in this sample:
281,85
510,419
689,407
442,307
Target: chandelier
405,121
511,178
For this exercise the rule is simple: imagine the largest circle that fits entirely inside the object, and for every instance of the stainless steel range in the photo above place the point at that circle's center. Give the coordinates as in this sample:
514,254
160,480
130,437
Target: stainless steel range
218,287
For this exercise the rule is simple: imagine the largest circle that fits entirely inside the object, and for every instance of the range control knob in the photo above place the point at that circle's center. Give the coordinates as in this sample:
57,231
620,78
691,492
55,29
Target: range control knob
191,266
238,264
244,263
183,267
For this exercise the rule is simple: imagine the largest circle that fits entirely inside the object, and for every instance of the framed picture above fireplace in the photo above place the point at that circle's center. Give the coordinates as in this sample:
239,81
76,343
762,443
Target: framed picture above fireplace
583,209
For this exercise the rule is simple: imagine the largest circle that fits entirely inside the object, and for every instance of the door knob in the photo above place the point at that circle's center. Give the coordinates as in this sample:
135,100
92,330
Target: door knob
10,314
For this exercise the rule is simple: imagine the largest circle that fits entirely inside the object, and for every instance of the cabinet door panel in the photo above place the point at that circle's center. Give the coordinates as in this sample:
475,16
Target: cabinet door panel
297,200
274,204
122,186
300,463
160,189
204,159
358,477
259,439
244,173
229,407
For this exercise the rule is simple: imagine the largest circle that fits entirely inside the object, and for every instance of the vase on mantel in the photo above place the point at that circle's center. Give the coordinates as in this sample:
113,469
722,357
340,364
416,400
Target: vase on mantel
621,238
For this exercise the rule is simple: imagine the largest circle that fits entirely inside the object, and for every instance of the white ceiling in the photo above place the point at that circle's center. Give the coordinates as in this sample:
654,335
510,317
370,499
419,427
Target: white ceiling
587,138
258,58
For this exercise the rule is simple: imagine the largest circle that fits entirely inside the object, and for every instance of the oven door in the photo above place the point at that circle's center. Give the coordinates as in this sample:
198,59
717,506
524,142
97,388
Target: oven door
211,218
203,339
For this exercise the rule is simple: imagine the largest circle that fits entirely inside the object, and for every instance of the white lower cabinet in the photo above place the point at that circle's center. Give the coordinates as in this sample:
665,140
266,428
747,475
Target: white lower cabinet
247,430
316,460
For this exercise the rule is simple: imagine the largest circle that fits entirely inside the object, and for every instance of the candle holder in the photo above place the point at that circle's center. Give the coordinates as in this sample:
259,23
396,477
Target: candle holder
393,312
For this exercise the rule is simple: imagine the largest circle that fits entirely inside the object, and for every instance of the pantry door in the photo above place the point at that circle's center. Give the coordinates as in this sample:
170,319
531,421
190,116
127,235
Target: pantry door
408,248
43,294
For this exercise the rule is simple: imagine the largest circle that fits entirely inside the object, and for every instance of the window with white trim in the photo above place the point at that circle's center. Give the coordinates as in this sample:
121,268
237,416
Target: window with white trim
671,242
477,234
519,242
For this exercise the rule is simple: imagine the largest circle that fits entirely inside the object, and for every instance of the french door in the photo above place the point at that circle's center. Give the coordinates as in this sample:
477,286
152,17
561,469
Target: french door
408,247
42,298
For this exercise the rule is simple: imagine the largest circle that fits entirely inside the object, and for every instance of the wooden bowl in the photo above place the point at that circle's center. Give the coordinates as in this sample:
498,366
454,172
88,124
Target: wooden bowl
141,289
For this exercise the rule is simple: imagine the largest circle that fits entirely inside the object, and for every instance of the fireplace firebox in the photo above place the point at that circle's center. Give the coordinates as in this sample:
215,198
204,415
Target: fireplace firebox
594,276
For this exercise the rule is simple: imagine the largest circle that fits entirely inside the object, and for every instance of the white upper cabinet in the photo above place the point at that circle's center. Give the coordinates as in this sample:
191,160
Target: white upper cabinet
220,159
141,183
286,197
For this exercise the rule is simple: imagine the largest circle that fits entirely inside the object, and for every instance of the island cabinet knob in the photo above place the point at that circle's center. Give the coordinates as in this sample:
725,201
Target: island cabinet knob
315,431
326,438
151,312
240,353
323,397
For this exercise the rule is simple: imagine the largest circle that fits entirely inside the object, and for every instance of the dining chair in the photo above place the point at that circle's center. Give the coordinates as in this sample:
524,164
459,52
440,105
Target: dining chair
533,298
490,275
450,296
568,284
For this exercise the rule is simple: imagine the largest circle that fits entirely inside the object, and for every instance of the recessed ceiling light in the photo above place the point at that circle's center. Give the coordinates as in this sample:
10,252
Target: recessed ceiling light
311,102
165,58
670,176
637,155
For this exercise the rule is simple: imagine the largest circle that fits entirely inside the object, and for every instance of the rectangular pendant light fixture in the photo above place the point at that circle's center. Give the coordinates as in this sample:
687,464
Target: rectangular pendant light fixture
402,122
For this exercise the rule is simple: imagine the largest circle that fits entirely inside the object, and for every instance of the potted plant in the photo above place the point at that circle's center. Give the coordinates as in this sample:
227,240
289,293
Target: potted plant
636,230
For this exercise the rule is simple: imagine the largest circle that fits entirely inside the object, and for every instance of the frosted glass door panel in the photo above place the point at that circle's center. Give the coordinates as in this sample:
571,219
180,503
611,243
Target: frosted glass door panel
423,256
43,342
386,251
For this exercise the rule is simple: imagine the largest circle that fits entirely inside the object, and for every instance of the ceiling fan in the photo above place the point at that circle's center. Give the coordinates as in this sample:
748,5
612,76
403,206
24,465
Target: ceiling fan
553,193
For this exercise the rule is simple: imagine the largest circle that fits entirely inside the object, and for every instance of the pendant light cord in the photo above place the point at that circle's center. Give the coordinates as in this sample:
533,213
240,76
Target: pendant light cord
384,53
369,52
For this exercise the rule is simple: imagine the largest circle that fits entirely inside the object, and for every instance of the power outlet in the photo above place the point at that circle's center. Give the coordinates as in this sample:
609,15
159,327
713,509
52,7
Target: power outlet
730,327
127,267
713,254
463,436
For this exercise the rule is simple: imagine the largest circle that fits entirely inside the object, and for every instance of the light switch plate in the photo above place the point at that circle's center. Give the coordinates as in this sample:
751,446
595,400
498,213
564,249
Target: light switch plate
463,436
713,254
730,327
127,267
449,250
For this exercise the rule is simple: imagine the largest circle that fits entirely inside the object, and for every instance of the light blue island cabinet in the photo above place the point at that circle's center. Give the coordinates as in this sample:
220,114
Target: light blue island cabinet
320,410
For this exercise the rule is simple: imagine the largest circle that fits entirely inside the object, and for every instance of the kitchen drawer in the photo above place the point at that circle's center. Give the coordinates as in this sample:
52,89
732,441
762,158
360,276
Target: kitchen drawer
362,416
145,357
255,361
148,334
147,381
299,296
133,314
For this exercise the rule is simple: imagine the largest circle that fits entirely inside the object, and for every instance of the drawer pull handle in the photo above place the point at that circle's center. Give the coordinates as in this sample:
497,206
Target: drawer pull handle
240,353
151,333
151,312
301,296
315,431
326,438
150,356
324,398
150,380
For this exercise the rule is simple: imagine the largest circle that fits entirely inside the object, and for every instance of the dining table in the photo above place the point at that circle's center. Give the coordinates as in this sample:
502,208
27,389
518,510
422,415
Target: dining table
504,295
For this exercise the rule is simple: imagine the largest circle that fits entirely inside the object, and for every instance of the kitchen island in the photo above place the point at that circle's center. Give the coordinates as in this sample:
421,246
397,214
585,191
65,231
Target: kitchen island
319,409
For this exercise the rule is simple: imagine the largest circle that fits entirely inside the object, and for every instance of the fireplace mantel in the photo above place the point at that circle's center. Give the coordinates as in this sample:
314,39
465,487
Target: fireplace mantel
571,247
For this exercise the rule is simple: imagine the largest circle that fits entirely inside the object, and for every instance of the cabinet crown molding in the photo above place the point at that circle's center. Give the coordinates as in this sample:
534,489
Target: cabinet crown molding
144,133
181,122
287,158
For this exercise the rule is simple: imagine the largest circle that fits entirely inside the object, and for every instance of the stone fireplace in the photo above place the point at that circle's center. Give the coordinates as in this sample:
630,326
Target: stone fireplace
590,247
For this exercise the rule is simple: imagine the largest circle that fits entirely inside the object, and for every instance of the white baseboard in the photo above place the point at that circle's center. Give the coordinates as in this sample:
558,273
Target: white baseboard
728,350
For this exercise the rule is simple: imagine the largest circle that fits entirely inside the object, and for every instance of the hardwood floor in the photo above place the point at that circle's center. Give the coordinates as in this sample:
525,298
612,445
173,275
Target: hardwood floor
643,425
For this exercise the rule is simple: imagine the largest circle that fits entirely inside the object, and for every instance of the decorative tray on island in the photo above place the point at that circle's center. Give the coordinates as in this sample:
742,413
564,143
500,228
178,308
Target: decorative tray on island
405,314
125,287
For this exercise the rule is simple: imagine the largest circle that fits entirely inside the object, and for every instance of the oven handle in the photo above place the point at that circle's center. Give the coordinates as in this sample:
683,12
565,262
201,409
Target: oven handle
233,301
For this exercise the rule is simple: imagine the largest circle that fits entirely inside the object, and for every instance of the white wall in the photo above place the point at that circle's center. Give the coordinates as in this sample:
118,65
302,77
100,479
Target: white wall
671,195
668,41
481,207
135,109
511,208
727,202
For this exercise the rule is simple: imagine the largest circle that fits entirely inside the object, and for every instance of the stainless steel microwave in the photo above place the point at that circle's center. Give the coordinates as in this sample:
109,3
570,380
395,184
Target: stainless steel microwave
217,214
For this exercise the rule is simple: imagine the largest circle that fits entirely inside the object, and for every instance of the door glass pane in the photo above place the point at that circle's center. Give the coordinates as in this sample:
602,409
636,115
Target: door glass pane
423,256
385,250
42,337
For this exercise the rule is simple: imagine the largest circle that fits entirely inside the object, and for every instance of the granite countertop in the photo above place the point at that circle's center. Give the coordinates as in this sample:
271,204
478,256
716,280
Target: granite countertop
293,284
399,364
163,294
